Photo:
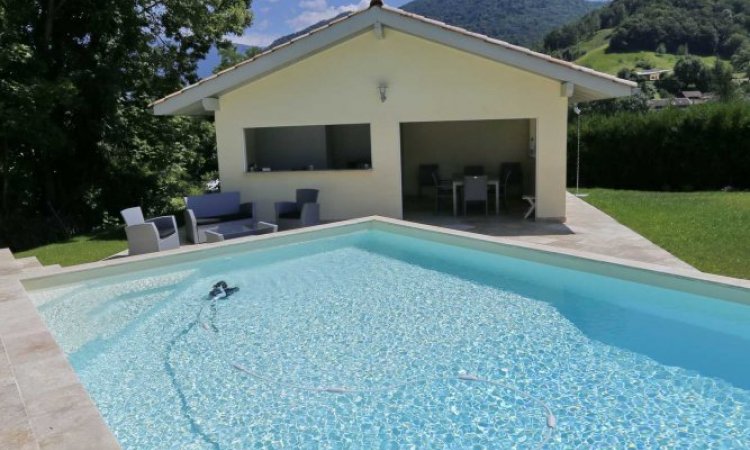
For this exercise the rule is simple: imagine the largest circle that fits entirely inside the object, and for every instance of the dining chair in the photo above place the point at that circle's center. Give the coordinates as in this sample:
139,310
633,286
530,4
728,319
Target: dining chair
443,190
424,177
511,175
475,190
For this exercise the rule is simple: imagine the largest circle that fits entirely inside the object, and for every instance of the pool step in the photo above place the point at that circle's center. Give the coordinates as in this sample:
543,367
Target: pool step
9,268
42,271
23,267
29,262
5,255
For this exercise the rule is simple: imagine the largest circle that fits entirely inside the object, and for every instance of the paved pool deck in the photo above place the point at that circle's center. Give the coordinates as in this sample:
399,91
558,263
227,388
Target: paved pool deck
42,402
44,406
586,229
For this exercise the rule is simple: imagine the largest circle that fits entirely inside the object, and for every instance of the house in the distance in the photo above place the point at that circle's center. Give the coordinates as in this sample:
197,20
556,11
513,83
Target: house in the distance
683,100
651,74
355,107
674,102
697,97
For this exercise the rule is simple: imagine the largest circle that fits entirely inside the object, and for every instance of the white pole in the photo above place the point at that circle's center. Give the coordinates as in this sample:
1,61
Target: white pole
577,111
578,154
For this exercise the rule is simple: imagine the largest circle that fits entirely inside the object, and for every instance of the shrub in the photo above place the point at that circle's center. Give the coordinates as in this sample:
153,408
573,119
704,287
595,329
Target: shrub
704,147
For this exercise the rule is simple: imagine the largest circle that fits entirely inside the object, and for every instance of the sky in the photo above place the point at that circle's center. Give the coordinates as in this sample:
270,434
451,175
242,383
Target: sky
276,18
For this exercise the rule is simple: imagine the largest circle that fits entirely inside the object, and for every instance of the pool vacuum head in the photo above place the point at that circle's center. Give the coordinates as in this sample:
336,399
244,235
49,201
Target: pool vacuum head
221,290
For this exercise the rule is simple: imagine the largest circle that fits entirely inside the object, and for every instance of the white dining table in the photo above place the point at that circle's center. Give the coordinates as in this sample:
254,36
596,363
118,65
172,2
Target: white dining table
491,182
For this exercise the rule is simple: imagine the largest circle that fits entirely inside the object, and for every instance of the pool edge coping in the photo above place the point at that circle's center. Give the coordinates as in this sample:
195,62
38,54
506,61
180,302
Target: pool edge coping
94,428
676,278
633,270
53,410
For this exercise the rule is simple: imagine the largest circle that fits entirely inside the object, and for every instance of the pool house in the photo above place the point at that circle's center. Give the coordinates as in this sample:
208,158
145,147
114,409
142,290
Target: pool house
356,107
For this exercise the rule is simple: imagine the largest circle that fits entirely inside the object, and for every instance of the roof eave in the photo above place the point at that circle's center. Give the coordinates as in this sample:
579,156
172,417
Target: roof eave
590,85
616,90
188,99
607,86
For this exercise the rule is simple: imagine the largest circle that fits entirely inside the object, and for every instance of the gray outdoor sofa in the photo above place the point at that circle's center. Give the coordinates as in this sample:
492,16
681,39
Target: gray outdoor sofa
205,212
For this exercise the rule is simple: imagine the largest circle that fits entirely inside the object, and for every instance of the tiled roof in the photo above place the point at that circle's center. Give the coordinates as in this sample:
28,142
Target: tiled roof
450,28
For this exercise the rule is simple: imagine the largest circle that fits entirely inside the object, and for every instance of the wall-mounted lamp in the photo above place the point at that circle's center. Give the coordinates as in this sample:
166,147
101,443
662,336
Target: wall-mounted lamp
383,89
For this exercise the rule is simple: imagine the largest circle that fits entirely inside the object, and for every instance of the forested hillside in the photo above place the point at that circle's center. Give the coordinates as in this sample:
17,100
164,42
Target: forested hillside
522,22
699,27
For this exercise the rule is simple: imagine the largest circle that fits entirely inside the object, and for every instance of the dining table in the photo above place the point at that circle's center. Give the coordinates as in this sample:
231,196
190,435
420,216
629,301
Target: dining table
459,182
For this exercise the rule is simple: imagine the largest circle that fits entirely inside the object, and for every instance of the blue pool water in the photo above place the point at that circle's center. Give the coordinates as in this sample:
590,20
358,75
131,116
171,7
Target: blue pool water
376,340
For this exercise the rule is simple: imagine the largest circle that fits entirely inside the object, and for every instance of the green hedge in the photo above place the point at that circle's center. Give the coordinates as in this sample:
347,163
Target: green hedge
702,147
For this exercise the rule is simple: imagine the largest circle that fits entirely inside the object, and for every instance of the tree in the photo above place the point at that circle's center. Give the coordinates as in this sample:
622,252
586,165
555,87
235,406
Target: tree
76,79
741,59
692,73
231,56
722,82
706,27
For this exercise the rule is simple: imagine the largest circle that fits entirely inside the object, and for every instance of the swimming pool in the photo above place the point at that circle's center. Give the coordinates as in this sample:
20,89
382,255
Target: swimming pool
381,339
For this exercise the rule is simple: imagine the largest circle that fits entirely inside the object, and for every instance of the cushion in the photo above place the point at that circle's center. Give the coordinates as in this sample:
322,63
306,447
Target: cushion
290,215
166,232
207,220
164,228
214,205
219,219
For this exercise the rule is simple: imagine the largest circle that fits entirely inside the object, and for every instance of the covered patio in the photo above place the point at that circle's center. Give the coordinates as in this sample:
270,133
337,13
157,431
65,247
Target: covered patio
441,154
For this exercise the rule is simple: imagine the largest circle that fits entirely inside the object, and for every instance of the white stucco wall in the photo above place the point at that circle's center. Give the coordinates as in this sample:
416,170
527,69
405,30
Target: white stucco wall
426,82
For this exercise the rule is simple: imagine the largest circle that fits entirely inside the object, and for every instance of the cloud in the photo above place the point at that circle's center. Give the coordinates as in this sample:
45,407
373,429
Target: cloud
317,10
315,5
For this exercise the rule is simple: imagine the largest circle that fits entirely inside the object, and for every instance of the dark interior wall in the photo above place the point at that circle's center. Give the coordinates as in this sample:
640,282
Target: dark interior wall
453,145
322,147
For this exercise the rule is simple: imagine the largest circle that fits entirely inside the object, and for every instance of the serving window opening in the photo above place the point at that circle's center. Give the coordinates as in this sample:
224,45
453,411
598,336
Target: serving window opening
316,147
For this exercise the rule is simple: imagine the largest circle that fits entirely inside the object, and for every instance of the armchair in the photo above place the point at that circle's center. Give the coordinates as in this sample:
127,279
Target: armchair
303,212
151,235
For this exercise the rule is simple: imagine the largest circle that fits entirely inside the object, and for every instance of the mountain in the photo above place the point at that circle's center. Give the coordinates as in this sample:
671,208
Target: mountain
296,34
523,22
656,33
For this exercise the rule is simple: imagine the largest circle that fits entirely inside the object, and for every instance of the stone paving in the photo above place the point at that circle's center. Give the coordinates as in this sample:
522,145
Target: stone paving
42,403
586,229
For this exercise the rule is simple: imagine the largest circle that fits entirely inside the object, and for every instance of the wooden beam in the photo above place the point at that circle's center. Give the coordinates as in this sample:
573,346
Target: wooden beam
567,89
210,104
377,28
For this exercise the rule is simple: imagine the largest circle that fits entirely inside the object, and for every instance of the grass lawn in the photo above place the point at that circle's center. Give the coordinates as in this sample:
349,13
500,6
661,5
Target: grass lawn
78,250
709,230
599,59
600,39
